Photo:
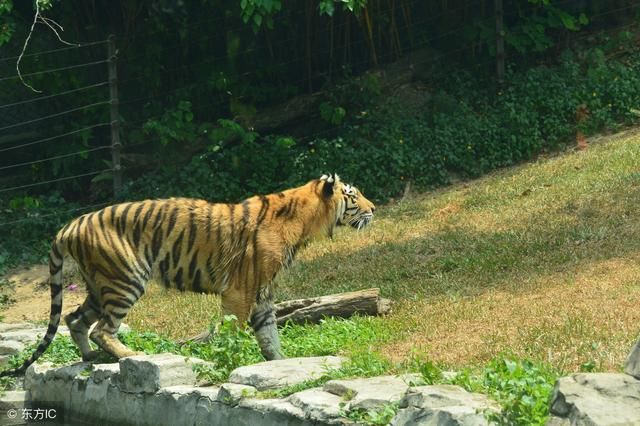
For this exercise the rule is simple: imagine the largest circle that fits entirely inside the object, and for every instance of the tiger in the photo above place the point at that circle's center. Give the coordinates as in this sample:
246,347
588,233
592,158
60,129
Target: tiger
233,250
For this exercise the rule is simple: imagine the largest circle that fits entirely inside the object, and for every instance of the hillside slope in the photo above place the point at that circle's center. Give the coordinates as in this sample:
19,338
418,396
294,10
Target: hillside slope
540,260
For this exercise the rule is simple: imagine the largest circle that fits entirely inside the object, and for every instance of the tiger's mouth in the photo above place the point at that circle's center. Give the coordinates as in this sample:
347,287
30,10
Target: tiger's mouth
362,221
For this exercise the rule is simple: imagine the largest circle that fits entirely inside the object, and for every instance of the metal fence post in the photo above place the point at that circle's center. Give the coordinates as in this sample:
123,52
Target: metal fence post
116,146
499,11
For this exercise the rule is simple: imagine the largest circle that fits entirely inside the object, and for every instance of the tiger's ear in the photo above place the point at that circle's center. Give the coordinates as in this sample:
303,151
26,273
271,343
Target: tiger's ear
329,183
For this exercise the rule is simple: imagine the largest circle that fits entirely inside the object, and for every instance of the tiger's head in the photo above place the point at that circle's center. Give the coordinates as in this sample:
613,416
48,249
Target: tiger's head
352,207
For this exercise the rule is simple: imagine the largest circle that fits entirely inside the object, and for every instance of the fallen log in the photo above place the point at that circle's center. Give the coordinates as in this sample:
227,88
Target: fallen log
312,310
342,305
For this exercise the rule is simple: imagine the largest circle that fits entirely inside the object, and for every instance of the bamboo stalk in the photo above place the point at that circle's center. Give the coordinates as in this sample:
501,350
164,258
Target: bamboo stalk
372,47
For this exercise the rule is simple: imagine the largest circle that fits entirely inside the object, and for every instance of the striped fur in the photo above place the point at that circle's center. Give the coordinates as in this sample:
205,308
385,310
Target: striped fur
234,250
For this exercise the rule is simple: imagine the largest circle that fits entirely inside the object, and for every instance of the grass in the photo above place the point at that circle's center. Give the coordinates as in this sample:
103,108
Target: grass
540,261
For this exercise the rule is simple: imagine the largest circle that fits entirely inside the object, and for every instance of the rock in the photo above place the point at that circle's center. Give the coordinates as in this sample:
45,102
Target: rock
4,327
12,402
102,372
272,406
283,372
10,347
4,359
368,393
209,392
443,405
232,393
93,392
149,373
317,404
12,399
36,372
54,385
632,365
597,399
24,336
557,421
76,371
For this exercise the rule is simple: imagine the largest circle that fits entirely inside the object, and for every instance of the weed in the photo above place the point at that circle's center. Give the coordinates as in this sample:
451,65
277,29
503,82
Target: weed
375,417
522,388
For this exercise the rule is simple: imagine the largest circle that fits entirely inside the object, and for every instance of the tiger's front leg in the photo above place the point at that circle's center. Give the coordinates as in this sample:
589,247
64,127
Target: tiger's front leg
263,322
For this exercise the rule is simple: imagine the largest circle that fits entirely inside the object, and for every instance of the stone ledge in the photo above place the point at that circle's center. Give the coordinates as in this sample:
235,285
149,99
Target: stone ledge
317,404
161,390
596,399
232,393
12,399
283,372
150,373
5,327
102,372
11,347
443,405
368,393
95,392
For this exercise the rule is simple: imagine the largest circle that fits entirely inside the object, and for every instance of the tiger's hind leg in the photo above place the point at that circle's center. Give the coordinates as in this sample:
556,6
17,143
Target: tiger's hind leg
79,322
116,299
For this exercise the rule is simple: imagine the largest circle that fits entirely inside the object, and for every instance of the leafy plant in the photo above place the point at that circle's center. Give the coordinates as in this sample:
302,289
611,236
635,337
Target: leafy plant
332,114
431,374
375,416
61,351
175,125
522,388
259,12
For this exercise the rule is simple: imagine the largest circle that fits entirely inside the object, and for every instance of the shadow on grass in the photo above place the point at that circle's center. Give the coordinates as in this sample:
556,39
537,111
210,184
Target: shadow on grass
462,261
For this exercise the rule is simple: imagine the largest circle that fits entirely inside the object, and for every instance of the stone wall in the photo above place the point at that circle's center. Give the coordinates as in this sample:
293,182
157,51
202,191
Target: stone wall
163,390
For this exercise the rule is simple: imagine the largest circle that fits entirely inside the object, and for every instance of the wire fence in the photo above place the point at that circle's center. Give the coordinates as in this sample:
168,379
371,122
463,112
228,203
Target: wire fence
39,134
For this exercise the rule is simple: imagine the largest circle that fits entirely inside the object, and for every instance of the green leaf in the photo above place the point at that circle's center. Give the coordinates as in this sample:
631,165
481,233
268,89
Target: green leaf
568,21
257,20
582,19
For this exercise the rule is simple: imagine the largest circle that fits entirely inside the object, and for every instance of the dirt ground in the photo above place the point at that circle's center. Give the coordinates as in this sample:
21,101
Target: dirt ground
29,290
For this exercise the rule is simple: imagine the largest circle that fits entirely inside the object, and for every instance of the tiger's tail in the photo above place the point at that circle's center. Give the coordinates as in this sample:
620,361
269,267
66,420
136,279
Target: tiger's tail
56,258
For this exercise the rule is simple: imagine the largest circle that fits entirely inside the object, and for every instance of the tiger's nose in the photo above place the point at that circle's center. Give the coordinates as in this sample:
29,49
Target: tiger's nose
373,209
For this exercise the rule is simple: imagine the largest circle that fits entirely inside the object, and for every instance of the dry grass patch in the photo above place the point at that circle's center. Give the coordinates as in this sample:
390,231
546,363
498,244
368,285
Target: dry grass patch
571,319
173,314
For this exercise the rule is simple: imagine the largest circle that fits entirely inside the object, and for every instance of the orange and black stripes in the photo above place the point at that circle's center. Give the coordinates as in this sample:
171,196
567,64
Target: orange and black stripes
234,250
